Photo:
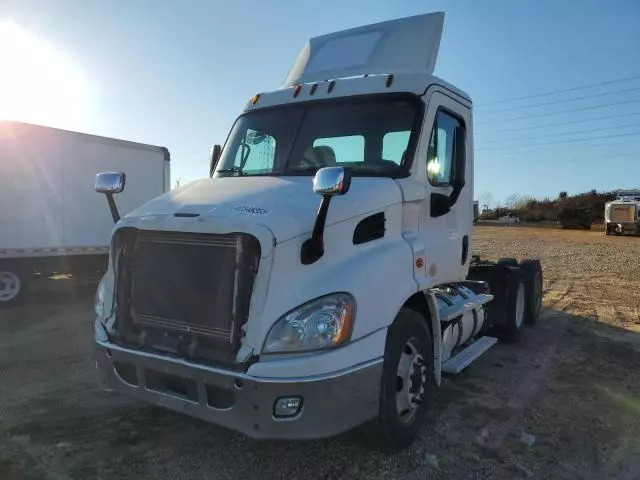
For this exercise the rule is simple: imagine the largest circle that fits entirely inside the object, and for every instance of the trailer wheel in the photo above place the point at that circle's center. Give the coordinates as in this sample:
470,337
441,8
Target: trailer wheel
532,271
516,307
407,380
11,287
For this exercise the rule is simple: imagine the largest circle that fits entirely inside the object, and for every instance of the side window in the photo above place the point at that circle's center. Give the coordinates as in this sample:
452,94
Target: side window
440,152
257,152
346,149
394,145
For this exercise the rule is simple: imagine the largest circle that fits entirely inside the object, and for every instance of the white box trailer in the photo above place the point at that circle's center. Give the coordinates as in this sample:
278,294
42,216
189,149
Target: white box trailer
50,218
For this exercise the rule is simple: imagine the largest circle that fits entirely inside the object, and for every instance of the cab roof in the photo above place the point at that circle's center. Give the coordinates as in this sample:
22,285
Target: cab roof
404,82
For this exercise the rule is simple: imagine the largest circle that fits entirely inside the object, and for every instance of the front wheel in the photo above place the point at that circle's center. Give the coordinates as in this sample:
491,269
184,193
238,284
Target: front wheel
407,380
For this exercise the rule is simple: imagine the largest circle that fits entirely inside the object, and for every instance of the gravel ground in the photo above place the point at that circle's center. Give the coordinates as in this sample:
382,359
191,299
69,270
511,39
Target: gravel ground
563,403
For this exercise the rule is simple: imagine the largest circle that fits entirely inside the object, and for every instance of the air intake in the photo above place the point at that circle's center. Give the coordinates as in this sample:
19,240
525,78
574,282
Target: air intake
369,229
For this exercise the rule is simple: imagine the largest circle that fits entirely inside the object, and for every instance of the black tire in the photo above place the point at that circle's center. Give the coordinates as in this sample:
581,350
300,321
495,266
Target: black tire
10,279
394,432
516,302
532,273
511,262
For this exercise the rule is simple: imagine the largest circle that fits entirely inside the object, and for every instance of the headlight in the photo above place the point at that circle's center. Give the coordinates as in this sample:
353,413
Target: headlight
98,301
322,323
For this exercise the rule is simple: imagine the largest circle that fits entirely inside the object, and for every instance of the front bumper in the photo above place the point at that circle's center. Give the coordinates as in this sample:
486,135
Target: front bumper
332,403
624,226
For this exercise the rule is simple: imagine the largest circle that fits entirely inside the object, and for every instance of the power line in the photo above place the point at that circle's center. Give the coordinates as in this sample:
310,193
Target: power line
572,122
565,100
563,90
566,141
562,160
580,109
533,137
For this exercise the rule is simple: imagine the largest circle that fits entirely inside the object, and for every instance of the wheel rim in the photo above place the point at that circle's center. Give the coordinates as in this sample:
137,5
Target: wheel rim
9,286
520,306
410,381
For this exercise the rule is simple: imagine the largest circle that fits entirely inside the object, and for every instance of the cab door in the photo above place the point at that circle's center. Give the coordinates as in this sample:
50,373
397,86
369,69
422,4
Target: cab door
446,170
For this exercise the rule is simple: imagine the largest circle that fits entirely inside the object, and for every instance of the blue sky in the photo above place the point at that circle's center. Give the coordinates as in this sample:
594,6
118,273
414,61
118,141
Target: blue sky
177,73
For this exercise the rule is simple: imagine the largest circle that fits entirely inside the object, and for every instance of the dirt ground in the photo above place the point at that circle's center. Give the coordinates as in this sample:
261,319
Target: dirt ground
563,403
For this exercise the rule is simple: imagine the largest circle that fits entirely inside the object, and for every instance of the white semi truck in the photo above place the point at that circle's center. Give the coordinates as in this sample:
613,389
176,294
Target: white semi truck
50,218
323,276
622,215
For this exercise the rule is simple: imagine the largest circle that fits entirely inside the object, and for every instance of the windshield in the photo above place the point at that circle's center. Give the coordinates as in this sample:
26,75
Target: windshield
374,136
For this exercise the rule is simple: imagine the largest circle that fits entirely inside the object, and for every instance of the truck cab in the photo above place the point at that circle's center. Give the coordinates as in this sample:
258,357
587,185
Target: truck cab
322,276
622,215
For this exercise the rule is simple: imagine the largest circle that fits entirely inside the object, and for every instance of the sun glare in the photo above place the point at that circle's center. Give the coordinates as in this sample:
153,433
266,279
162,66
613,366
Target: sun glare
38,84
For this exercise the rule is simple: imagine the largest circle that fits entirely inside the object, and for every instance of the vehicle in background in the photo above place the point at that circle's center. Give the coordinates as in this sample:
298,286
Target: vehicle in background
623,214
576,217
476,211
323,276
509,219
50,218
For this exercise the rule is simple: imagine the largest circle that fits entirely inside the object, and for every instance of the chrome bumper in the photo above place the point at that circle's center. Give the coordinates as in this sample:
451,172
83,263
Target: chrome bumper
625,226
331,404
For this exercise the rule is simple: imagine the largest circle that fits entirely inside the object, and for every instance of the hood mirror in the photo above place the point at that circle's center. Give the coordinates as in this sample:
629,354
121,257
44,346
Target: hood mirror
332,181
328,182
110,183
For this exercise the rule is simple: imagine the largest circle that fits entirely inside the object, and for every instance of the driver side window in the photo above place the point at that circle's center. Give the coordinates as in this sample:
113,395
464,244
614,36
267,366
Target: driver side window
440,151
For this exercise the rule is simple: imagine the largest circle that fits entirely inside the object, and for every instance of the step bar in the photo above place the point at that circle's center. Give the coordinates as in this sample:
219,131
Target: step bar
468,355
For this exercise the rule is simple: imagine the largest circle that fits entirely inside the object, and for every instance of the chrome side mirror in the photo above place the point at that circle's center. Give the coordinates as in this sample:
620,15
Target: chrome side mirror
110,183
332,181
328,182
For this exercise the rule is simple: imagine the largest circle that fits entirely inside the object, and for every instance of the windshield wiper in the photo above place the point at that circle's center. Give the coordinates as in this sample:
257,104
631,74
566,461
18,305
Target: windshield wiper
301,170
237,170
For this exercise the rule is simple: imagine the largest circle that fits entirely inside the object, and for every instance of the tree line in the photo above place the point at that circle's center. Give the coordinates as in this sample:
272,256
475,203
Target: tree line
530,209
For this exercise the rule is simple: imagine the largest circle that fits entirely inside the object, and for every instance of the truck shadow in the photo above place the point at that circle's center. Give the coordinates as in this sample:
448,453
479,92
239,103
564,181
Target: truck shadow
571,384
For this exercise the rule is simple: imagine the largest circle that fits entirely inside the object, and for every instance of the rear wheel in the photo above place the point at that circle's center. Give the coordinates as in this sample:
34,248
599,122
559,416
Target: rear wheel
532,271
516,306
511,262
407,380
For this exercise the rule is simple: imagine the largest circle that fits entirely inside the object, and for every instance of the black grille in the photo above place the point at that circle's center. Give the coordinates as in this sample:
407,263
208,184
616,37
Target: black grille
189,293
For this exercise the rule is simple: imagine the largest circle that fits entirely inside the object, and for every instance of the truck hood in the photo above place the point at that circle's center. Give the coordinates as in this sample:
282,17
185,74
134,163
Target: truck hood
285,205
